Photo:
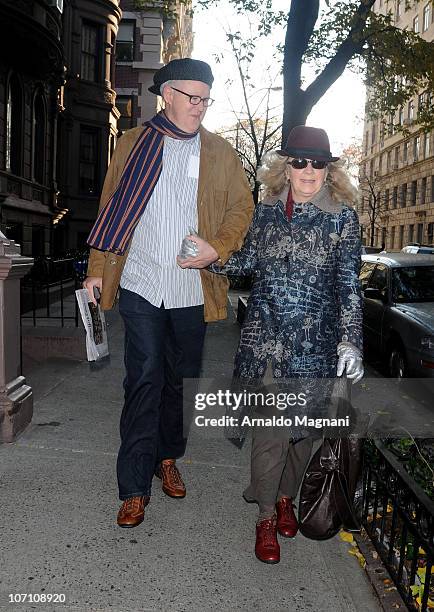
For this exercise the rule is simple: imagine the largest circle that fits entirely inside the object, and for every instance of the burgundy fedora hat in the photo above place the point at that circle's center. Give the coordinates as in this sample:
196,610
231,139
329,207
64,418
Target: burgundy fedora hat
308,142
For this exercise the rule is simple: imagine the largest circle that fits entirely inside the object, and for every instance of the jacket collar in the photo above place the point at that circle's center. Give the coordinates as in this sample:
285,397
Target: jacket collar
207,160
322,200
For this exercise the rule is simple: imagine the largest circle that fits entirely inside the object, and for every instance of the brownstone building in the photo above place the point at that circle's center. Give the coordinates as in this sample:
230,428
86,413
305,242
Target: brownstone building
88,116
398,168
147,39
59,115
31,71
58,119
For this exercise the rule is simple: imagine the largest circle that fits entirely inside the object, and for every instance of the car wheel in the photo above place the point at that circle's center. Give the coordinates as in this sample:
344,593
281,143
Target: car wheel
397,362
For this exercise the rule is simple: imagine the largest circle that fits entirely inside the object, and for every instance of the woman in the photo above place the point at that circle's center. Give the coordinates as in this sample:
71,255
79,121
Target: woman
304,314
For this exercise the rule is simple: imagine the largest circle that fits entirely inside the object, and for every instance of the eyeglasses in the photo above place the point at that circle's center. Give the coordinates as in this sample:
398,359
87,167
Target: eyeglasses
300,163
196,100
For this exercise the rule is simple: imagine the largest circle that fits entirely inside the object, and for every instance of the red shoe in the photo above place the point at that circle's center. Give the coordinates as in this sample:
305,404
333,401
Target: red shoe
287,524
267,547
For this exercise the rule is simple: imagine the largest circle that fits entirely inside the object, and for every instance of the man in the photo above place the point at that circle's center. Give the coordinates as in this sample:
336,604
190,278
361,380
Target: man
164,178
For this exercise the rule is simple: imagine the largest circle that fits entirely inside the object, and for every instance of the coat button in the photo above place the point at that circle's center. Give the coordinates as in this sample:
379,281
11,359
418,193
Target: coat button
113,262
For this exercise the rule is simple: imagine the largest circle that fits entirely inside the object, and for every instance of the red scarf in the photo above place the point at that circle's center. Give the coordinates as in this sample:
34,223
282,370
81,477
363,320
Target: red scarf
289,205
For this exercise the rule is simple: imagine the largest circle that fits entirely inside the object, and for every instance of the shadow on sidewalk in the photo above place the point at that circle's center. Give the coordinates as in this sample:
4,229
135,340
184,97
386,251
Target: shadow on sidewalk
59,505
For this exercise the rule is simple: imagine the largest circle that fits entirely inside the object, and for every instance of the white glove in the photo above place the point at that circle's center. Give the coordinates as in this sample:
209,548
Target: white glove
350,361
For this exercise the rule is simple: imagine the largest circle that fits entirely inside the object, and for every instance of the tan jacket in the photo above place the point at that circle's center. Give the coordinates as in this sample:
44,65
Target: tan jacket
225,208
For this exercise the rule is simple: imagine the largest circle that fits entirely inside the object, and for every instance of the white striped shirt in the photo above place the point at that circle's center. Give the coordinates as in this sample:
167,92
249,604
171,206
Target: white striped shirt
151,269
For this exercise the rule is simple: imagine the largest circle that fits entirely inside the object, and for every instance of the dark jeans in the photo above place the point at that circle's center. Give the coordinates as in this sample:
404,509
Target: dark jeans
162,346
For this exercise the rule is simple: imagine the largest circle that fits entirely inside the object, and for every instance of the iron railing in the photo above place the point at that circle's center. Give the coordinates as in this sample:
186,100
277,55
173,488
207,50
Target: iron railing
399,519
47,292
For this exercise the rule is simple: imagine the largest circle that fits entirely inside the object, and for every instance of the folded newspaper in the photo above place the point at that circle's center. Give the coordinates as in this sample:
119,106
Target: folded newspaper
94,323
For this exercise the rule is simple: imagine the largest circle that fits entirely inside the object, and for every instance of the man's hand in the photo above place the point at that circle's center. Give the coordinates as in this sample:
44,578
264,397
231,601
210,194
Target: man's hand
206,255
89,283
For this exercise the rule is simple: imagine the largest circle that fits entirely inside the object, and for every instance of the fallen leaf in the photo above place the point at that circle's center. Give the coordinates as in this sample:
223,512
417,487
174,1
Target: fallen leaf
345,536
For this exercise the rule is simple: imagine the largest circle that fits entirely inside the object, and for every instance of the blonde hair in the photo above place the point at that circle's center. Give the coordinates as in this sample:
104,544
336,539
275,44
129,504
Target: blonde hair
271,175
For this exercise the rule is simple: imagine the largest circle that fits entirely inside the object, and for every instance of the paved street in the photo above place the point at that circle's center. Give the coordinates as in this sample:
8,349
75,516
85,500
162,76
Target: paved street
59,505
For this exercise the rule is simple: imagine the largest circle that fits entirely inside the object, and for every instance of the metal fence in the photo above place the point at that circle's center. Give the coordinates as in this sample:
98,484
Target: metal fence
399,519
48,291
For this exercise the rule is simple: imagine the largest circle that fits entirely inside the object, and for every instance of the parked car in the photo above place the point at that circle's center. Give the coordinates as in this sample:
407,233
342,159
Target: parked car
398,322
367,250
422,249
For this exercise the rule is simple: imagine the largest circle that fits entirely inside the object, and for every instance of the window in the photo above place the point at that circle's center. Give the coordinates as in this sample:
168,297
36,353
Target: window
396,158
125,41
389,160
426,17
89,161
410,233
419,237
405,151
379,279
373,134
38,139
89,52
413,193
403,195
392,237
432,189
422,194
426,147
366,142
38,240
399,6
401,115
416,24
395,197
14,122
401,236
365,273
430,232
411,110
391,126
416,148
387,198
371,168
380,164
125,106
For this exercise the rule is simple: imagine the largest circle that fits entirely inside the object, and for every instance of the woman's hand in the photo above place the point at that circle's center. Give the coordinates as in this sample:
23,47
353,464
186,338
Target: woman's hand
350,361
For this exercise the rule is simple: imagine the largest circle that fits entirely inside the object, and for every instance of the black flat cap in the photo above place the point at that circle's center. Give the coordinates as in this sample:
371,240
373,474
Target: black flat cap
185,69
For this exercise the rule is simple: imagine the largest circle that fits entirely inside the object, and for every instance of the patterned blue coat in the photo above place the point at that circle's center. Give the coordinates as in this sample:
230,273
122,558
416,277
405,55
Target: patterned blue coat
305,297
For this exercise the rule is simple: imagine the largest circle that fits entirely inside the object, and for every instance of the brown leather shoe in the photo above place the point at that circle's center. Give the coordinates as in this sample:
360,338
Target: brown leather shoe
267,547
287,524
172,483
132,511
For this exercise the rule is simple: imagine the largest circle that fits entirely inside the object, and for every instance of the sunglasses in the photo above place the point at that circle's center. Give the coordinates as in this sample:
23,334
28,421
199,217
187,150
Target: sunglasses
300,163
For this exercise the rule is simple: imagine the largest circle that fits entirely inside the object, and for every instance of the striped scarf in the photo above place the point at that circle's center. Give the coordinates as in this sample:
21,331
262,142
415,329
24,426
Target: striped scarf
116,222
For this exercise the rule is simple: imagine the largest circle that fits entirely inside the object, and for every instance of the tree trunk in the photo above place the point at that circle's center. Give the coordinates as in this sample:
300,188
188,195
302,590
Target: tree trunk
372,229
301,22
255,192
302,17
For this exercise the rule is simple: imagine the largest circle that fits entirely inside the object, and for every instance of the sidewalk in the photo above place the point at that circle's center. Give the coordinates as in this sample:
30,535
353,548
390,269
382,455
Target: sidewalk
59,504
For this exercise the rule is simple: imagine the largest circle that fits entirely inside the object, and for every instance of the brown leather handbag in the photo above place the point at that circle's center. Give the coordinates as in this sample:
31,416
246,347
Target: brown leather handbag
329,484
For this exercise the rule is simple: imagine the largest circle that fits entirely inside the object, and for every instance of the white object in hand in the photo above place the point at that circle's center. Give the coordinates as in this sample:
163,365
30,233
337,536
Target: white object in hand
188,247
350,361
